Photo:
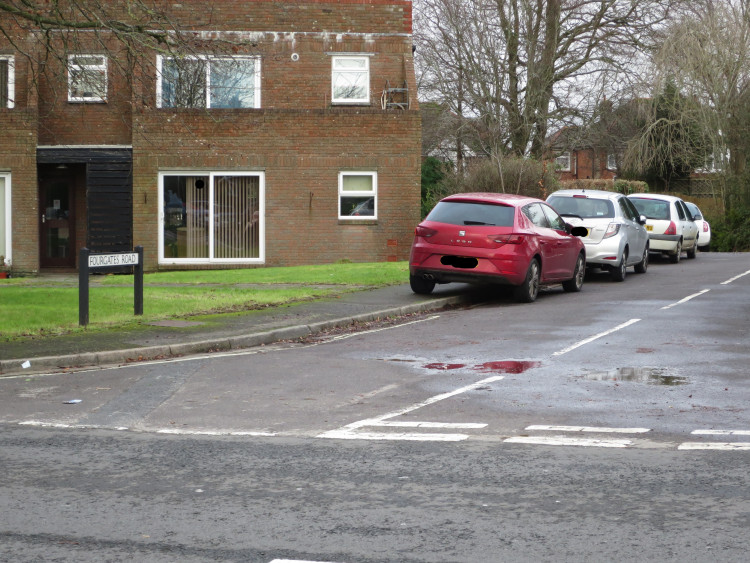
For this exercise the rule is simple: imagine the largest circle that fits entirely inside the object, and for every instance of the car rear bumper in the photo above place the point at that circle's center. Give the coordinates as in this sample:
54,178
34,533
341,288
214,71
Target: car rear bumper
462,267
663,243
607,252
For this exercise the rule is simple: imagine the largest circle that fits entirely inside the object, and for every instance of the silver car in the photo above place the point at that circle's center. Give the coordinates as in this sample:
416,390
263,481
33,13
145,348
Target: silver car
670,225
616,237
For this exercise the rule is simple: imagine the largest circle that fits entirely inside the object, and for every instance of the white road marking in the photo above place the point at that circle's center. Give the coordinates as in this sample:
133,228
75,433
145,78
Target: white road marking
602,429
730,280
297,561
352,431
432,424
714,446
722,432
688,298
595,337
565,441
185,432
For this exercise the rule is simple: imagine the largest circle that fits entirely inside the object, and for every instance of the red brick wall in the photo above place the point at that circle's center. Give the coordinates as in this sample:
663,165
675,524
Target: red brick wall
18,156
301,153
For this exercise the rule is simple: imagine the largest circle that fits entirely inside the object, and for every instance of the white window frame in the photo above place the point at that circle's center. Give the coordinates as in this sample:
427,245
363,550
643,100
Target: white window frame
208,58
568,159
101,67
8,250
335,72
11,79
211,176
371,193
611,161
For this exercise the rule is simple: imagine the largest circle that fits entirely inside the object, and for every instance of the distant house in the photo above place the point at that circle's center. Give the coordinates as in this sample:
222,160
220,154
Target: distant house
289,148
577,160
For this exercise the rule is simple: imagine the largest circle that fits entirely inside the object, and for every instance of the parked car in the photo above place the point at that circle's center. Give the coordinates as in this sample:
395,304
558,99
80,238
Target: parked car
495,238
669,223
617,237
704,229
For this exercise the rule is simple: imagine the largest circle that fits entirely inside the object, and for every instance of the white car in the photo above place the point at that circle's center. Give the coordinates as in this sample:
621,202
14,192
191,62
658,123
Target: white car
670,225
704,229
616,236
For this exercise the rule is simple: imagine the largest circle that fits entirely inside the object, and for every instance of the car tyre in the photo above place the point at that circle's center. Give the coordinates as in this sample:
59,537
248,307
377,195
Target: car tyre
529,289
674,258
620,271
420,285
576,282
642,266
692,252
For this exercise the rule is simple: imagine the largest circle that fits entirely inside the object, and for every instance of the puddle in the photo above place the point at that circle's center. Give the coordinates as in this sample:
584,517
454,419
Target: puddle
506,367
652,376
443,367
511,366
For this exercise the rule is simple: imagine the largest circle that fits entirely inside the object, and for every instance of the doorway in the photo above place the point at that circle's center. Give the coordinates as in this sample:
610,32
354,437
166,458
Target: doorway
57,226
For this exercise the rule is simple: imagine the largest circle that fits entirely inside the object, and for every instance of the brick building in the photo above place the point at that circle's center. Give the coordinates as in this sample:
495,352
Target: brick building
288,133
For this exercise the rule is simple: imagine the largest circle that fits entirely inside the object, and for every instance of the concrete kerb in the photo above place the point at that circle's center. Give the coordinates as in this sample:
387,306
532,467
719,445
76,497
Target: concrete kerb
114,357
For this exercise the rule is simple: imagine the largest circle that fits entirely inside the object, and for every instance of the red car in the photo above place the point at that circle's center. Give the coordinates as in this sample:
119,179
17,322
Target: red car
497,238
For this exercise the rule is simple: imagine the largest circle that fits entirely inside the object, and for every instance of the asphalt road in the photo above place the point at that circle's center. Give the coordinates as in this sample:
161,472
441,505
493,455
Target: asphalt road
611,424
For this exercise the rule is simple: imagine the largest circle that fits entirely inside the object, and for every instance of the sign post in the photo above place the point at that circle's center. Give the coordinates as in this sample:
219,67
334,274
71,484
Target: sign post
87,261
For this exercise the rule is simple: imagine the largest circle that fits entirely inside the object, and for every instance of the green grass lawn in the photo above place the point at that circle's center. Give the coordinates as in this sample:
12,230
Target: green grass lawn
43,306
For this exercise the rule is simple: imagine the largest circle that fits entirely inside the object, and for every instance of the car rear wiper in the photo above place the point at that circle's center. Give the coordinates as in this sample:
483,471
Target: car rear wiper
478,223
571,215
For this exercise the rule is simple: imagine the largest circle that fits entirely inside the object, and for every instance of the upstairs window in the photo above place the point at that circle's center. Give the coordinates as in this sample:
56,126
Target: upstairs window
208,82
87,78
7,82
350,80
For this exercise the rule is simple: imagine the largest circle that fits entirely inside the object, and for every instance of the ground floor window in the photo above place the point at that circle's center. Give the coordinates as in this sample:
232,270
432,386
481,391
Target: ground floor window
358,195
211,217
5,230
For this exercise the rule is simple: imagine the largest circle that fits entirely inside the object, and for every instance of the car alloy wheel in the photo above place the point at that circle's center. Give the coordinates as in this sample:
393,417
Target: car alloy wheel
529,289
620,271
576,282
642,266
674,258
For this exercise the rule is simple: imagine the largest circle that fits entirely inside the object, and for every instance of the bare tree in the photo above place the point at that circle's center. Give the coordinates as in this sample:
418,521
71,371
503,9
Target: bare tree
513,66
707,54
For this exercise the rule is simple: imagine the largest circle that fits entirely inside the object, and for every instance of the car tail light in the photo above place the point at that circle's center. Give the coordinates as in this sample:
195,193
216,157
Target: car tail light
705,226
513,238
425,232
672,229
612,230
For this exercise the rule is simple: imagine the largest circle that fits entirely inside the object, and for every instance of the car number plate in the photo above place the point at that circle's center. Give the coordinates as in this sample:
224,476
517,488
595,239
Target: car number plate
649,227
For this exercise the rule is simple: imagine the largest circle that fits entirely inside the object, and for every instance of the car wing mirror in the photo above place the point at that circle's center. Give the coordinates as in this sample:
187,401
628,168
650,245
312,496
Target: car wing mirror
642,219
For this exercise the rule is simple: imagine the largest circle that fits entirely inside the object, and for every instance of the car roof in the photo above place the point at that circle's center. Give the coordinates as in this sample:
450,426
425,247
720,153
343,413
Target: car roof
515,200
662,197
601,194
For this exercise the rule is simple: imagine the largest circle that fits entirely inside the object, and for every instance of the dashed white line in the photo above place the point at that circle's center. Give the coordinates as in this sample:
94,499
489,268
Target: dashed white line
595,337
686,299
602,429
565,441
714,446
722,432
735,278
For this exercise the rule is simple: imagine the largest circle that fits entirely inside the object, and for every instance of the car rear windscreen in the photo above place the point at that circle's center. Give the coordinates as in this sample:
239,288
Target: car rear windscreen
652,208
464,213
583,207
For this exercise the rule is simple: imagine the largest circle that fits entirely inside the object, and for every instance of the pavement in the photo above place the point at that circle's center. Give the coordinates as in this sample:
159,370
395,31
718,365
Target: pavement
220,333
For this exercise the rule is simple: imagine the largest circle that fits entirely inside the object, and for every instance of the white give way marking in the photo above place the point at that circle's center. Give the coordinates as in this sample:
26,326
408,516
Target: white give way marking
353,431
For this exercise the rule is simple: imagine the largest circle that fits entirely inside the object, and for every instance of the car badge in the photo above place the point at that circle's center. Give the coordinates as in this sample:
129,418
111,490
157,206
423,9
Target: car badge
462,233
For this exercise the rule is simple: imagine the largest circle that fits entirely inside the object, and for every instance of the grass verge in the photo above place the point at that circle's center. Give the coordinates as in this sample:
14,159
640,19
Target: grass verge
34,307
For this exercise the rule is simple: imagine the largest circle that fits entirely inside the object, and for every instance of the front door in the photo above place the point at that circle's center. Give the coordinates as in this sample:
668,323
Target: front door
57,227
